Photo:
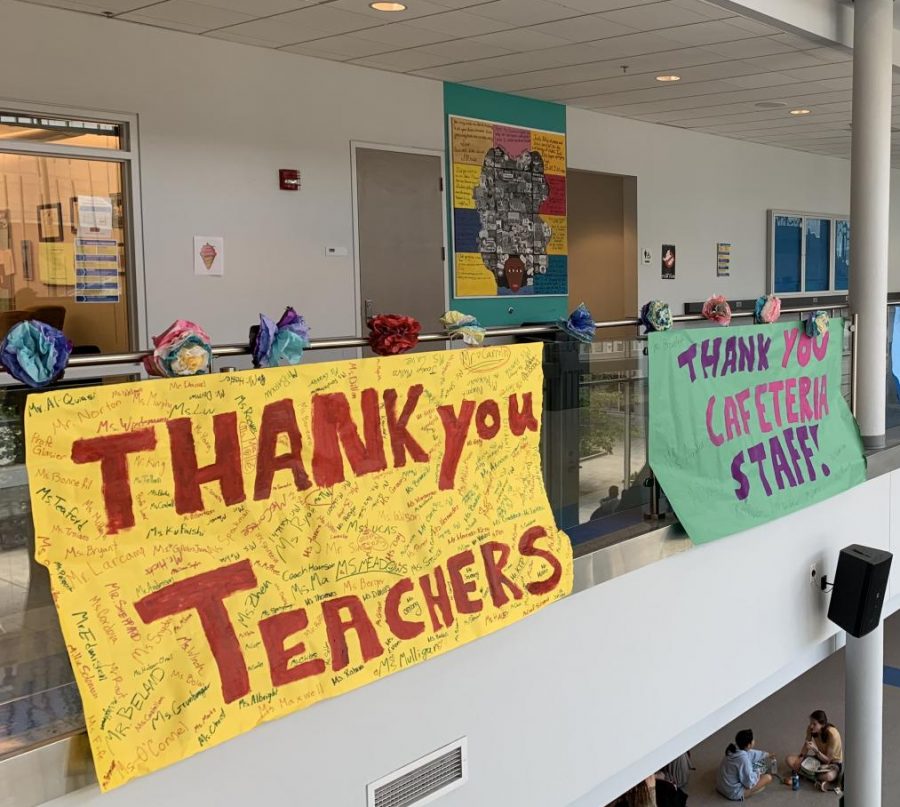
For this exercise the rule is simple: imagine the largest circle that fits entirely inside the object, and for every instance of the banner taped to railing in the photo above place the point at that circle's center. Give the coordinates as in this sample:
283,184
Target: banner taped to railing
748,424
226,549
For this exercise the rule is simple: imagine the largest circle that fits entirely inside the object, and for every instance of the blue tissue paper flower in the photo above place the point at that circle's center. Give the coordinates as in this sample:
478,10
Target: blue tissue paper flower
281,343
580,324
656,316
35,353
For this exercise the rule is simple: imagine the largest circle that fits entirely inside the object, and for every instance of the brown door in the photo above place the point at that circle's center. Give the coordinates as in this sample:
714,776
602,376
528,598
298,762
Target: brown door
401,235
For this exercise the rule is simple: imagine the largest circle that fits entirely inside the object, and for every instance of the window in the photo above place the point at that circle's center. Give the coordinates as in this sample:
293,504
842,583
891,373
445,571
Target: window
809,253
65,245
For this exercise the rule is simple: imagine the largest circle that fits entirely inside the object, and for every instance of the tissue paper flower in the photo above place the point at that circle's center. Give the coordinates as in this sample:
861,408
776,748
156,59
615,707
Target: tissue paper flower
716,308
656,316
767,309
182,349
276,344
35,353
465,326
580,324
393,333
817,324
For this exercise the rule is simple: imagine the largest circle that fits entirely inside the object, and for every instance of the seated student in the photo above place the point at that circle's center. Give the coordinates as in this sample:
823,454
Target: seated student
607,505
741,773
823,742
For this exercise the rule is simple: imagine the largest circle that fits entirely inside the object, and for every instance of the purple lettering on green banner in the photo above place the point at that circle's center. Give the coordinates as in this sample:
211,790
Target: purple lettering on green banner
749,426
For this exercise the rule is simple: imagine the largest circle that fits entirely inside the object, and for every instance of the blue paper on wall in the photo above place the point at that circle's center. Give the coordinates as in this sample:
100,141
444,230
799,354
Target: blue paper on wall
895,351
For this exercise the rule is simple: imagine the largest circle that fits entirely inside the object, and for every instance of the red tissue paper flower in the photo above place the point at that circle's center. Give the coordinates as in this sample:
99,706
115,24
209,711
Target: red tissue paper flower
393,333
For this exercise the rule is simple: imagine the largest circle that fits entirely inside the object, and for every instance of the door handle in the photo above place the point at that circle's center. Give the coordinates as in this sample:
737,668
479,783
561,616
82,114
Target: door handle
369,309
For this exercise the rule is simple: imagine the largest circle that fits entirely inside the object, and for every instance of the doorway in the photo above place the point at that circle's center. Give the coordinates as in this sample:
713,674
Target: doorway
400,235
602,211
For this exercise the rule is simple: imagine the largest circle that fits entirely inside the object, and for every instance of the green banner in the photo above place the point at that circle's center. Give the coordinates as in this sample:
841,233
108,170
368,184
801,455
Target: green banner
748,424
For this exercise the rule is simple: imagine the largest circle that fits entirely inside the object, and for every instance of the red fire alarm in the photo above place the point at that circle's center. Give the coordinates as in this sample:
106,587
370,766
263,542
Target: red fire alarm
289,179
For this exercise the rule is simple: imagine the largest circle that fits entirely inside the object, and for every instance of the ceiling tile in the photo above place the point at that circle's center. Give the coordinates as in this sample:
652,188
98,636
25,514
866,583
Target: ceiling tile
414,8
182,12
256,8
655,17
583,29
704,9
458,50
458,24
520,39
598,6
784,61
707,33
754,26
346,46
404,35
329,19
228,35
276,31
402,60
172,25
524,12
749,48
759,80
823,71
93,6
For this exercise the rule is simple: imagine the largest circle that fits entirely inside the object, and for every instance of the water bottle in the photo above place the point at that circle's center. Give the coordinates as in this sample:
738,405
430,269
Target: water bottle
795,781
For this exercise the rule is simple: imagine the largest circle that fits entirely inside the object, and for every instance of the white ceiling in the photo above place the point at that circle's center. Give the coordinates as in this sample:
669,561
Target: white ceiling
571,51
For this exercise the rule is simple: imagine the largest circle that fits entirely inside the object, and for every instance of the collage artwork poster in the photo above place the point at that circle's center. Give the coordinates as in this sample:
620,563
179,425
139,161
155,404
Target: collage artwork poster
226,549
748,424
508,199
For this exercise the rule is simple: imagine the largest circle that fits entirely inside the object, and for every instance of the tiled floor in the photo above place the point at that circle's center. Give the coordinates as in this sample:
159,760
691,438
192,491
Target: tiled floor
779,724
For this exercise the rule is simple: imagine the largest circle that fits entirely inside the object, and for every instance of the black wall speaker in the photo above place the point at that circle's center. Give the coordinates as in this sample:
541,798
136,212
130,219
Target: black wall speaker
859,589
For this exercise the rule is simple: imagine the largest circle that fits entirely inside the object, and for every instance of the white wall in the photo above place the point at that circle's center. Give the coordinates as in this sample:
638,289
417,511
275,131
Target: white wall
696,189
575,703
218,119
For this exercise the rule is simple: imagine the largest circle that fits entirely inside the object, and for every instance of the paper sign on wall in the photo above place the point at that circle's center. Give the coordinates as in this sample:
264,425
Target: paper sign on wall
226,549
723,259
97,270
95,216
209,255
56,263
748,424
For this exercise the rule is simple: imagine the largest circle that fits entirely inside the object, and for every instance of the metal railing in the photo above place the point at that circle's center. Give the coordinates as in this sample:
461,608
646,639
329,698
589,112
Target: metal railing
351,342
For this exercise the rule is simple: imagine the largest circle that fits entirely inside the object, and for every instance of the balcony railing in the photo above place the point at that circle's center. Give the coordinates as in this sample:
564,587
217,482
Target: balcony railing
594,446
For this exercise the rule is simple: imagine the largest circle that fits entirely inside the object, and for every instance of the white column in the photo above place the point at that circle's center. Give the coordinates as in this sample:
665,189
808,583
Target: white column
862,738
870,192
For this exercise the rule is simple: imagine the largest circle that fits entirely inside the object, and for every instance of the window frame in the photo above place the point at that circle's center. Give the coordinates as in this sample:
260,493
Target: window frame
129,159
832,219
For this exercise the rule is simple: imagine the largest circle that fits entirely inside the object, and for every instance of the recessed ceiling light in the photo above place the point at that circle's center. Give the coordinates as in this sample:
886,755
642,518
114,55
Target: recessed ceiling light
800,111
388,6
668,77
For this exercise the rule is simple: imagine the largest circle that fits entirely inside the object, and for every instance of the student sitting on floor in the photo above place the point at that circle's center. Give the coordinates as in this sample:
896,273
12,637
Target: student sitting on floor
823,746
742,772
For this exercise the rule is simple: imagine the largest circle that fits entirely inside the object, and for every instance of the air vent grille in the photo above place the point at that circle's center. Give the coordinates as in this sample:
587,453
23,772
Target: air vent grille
422,781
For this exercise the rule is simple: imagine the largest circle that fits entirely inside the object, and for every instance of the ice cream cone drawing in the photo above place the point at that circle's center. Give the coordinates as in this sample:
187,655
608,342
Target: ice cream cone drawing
208,255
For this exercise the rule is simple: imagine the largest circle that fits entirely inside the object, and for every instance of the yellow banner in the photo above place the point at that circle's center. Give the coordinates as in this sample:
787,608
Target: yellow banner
227,549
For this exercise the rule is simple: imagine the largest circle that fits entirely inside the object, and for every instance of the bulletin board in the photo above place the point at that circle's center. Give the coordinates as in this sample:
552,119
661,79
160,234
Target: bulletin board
508,203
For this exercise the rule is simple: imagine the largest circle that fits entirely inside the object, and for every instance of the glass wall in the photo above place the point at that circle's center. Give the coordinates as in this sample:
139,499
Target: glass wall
63,229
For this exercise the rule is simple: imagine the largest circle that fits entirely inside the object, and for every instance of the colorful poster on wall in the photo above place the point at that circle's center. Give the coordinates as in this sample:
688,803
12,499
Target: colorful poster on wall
227,549
508,201
667,261
723,259
97,270
749,424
